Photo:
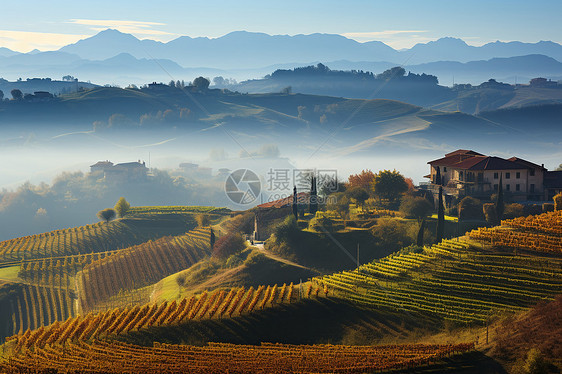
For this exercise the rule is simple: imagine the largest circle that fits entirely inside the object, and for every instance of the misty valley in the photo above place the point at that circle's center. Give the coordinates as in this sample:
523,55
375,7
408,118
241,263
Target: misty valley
256,203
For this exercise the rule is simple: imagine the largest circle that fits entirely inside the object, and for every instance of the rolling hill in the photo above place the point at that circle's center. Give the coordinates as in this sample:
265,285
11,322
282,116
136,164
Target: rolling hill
413,295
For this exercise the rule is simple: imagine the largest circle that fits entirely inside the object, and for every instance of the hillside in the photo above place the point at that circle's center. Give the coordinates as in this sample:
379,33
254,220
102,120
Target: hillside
93,238
334,126
451,289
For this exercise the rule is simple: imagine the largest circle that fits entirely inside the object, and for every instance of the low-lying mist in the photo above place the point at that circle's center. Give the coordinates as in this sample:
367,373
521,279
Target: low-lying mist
46,181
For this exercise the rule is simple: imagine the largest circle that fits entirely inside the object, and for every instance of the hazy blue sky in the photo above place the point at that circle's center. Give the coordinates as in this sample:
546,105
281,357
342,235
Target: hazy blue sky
29,24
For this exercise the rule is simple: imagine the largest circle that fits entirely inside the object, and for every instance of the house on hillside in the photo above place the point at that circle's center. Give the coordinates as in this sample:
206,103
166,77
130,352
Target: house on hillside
124,172
468,173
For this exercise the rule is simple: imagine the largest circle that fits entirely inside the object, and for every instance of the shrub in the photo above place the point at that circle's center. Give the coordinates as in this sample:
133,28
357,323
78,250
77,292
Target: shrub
548,207
558,201
470,208
180,279
255,258
535,363
391,233
415,207
321,224
489,210
234,261
286,231
228,245
513,210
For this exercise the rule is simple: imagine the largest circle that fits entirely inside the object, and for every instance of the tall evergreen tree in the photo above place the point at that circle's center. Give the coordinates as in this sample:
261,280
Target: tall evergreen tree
420,233
438,176
500,205
213,238
440,218
295,203
313,204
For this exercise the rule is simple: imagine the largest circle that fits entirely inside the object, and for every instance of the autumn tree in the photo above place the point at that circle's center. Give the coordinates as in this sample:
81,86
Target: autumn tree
363,179
122,207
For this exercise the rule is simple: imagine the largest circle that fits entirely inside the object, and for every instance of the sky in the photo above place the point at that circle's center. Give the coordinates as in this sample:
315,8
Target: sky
49,25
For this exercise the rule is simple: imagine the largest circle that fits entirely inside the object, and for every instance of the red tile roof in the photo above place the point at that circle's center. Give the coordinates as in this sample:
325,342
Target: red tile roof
496,163
463,152
526,163
470,160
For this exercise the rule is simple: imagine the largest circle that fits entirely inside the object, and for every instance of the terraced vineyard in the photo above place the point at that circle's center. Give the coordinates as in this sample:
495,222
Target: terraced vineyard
97,237
35,306
541,233
139,266
453,280
216,304
57,271
114,357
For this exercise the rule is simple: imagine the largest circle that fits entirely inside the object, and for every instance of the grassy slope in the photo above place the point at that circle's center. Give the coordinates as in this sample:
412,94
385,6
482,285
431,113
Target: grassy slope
330,253
208,275
539,328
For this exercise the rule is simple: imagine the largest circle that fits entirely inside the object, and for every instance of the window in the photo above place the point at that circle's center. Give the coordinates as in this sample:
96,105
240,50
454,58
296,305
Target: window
460,175
508,187
444,169
532,188
532,173
517,187
507,175
496,186
496,175
518,175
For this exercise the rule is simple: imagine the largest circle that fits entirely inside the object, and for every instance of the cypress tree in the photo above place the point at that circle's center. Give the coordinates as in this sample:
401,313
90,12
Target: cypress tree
313,204
420,233
440,218
212,238
295,204
500,206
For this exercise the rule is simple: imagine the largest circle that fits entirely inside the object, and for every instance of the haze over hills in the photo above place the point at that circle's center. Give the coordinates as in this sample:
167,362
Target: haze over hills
105,58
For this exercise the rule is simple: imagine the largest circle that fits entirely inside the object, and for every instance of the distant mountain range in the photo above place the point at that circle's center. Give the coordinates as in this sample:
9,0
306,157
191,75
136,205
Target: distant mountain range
241,49
119,58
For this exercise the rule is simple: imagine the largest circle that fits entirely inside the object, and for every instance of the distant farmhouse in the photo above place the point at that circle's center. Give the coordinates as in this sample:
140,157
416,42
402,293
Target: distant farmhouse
125,172
468,173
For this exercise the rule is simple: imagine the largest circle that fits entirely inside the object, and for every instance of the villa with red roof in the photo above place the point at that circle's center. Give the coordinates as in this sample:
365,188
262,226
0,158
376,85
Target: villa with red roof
465,172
